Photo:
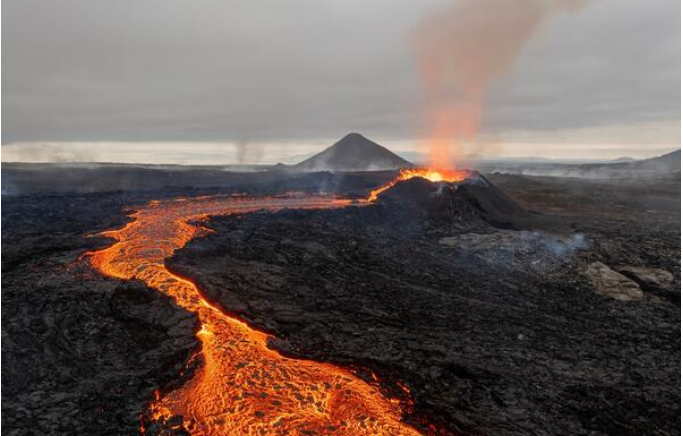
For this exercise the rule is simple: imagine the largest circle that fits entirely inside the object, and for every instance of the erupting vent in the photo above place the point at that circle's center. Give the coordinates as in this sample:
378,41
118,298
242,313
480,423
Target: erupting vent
450,176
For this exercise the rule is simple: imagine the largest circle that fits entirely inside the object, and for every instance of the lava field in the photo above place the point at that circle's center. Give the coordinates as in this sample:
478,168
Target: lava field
501,305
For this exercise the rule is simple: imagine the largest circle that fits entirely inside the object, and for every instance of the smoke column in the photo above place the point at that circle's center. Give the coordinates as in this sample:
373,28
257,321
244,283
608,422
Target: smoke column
460,48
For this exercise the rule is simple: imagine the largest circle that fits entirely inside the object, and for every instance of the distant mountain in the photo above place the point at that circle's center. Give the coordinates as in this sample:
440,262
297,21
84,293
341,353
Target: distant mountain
623,159
354,152
665,167
666,163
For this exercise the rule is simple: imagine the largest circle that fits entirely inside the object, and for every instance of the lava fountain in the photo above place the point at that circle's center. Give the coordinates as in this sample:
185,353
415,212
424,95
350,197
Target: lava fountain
243,386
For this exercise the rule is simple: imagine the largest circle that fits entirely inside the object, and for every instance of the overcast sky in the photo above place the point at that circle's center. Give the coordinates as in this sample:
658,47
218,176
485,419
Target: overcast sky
283,78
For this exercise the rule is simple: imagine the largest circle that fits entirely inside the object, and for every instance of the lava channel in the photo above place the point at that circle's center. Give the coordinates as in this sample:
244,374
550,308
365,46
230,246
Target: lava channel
243,387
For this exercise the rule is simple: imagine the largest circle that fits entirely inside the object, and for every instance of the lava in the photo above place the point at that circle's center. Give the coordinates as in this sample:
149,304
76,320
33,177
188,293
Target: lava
242,387
433,175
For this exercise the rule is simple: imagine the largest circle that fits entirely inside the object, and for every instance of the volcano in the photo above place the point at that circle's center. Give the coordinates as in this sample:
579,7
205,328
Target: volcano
354,152
459,199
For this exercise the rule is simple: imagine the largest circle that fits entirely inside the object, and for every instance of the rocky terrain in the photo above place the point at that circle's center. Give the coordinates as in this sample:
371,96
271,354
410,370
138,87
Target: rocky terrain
494,331
81,354
516,326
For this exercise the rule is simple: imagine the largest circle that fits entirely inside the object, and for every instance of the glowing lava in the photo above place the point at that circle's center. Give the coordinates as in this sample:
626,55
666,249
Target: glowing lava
242,387
450,176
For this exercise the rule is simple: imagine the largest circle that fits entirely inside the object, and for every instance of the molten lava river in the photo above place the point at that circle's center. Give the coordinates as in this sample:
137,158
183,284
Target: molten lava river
242,387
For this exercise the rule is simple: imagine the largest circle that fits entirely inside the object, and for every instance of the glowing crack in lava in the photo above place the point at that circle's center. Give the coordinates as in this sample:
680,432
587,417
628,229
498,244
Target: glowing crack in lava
433,175
242,387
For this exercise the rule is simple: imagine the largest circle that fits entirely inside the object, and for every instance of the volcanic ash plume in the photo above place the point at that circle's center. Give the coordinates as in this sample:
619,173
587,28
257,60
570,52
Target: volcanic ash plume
460,48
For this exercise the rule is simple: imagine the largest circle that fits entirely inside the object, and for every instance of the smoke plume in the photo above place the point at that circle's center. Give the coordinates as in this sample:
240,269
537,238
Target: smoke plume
248,153
460,48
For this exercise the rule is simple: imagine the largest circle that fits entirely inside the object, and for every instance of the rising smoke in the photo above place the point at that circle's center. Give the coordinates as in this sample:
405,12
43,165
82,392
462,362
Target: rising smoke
460,48
248,153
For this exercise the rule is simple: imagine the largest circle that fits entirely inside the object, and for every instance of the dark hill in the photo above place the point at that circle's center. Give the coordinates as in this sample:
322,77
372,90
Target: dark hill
473,203
354,152
667,163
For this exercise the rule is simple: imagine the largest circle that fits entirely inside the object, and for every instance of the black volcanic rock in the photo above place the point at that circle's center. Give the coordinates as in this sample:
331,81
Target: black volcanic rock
494,331
354,152
81,353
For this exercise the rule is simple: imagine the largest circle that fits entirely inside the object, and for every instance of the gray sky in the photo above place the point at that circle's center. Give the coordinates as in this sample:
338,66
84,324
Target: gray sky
283,78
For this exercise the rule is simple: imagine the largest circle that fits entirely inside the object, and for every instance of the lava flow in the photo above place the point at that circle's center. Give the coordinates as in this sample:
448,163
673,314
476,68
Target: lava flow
450,176
242,387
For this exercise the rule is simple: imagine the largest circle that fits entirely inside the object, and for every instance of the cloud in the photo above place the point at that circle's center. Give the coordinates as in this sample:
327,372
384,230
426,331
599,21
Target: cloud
176,70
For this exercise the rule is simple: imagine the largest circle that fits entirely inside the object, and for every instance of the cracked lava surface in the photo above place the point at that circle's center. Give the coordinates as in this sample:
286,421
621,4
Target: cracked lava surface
242,387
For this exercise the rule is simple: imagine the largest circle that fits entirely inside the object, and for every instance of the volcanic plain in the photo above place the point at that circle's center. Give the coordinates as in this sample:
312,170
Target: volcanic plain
506,305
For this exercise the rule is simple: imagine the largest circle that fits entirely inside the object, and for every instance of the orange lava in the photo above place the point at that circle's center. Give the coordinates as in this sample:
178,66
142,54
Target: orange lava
242,387
450,176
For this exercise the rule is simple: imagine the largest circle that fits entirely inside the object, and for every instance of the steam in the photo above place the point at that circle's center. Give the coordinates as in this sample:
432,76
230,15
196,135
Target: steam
534,251
248,153
549,245
462,47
